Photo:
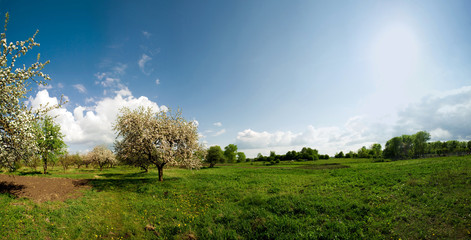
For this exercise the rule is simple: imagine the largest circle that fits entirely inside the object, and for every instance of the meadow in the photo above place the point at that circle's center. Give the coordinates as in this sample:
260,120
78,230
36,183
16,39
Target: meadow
323,199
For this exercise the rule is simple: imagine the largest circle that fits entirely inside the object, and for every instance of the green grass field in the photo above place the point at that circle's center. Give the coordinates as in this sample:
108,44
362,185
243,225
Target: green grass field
324,199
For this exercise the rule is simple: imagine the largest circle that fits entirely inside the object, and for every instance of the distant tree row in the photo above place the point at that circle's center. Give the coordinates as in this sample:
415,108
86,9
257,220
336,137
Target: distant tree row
230,155
417,146
374,151
306,154
411,146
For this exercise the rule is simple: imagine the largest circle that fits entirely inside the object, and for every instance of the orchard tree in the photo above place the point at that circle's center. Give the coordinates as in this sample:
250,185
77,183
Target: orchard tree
215,155
165,138
230,152
50,141
101,156
17,136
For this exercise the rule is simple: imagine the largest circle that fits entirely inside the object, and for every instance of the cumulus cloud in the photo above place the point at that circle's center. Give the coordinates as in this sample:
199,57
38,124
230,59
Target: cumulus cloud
217,124
142,63
85,127
80,88
358,131
445,115
157,81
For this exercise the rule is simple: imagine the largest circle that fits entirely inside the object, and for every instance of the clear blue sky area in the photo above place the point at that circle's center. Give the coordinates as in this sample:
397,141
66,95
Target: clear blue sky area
265,75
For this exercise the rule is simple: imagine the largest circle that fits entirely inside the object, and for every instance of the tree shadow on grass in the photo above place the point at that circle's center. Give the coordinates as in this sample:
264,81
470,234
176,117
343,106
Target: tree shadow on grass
10,188
128,175
129,182
31,173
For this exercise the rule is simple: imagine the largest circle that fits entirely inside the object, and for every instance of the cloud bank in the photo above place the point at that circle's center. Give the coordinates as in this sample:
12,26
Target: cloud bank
444,115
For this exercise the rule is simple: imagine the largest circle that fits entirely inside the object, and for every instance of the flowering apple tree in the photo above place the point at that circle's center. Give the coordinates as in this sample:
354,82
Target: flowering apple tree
158,138
17,134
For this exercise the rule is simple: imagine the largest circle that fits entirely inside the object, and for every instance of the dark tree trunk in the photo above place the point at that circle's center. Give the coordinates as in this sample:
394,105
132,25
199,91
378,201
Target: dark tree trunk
45,166
161,172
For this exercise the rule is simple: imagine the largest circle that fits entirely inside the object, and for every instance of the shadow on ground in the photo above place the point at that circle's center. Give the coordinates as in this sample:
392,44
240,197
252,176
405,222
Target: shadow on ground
31,173
10,188
130,182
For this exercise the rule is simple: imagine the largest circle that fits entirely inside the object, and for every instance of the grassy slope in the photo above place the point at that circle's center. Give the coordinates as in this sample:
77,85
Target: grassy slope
423,198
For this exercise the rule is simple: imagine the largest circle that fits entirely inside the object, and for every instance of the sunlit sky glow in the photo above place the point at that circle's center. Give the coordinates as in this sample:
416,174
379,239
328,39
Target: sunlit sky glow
265,75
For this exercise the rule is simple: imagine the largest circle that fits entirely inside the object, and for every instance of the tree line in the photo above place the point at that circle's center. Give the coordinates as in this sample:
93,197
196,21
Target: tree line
410,146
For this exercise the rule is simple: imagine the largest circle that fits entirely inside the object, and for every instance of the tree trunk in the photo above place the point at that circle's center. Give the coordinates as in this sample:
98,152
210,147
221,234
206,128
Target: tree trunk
45,166
161,172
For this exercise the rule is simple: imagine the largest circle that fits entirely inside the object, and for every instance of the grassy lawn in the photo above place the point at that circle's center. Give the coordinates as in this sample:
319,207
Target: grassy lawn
324,199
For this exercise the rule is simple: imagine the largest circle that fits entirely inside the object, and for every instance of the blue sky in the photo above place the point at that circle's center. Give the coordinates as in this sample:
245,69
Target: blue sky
265,75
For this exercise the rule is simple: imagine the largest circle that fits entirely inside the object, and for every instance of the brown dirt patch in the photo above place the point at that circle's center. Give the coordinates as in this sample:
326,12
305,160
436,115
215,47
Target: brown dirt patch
41,189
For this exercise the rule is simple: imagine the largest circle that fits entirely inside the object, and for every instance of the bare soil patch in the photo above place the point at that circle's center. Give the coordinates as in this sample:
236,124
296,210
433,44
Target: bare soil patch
41,189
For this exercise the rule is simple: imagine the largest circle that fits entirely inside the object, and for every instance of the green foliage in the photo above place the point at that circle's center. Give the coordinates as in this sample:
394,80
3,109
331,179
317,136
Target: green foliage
230,153
215,155
339,155
309,154
49,141
241,157
417,146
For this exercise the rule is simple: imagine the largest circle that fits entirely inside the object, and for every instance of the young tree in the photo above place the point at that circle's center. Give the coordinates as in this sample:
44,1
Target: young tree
17,137
241,157
215,155
230,152
101,156
163,137
49,141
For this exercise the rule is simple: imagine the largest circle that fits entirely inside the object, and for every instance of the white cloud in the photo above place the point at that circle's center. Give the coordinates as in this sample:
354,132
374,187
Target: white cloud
157,81
447,114
218,133
358,131
444,115
48,86
120,68
86,127
80,88
89,100
440,134
142,62
217,124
